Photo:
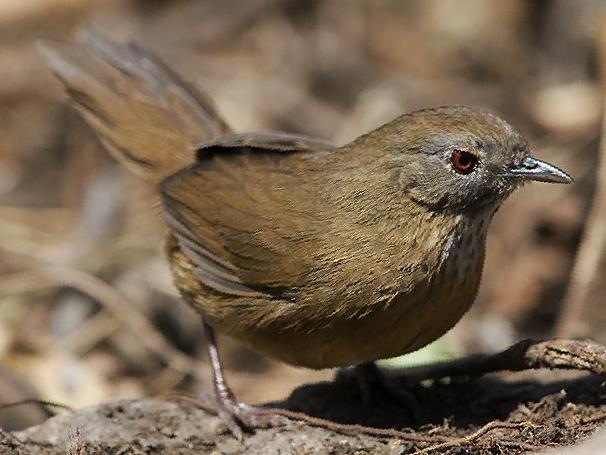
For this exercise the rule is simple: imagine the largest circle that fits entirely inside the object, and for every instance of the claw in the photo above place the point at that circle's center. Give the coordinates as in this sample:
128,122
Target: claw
239,418
234,425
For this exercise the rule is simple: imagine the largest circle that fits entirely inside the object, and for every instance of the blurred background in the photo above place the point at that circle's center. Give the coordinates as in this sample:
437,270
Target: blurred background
87,308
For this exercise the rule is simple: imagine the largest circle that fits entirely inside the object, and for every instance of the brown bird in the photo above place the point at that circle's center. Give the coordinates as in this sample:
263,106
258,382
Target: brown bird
316,255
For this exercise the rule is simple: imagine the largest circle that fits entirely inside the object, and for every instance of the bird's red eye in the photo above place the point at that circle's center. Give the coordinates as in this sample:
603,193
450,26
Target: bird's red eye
463,162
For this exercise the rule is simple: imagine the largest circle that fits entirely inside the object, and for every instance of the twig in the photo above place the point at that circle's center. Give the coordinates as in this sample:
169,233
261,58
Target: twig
42,403
126,312
118,306
525,355
90,332
208,404
494,425
593,419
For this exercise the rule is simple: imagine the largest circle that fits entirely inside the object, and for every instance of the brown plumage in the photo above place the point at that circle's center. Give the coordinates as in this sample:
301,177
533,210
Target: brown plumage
316,255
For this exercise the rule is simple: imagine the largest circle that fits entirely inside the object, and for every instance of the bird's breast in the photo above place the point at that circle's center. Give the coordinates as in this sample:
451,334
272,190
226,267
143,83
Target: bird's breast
454,287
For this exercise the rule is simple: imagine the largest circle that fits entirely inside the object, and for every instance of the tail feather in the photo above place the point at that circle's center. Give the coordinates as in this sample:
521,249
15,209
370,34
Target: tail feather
143,112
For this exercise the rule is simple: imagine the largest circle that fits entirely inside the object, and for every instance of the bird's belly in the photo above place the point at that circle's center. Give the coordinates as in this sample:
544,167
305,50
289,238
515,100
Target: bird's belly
408,323
401,328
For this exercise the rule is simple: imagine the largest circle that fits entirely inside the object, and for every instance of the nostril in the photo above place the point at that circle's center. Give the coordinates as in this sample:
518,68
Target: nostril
529,163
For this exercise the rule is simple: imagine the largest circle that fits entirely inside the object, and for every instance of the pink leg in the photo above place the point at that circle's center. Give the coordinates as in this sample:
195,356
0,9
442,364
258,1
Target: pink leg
237,416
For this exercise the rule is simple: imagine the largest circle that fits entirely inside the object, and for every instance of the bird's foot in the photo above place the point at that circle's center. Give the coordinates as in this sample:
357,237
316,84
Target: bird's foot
375,387
239,418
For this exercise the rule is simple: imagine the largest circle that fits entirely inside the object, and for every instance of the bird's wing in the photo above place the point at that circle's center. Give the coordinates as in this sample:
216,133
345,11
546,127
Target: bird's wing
243,214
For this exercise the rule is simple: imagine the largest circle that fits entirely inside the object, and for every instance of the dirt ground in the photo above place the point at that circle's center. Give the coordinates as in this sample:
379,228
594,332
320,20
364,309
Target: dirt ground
504,415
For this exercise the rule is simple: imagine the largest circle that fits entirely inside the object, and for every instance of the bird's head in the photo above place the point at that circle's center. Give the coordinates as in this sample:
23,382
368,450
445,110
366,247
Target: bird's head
459,159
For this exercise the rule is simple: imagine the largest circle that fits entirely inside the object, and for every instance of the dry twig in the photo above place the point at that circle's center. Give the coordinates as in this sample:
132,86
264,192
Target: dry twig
524,355
114,303
494,425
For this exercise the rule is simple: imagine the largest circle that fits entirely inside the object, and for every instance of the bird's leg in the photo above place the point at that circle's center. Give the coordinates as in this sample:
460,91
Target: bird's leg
240,417
226,402
237,416
372,380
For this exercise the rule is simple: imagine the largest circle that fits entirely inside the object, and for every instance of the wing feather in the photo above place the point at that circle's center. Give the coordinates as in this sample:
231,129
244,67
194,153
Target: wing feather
228,217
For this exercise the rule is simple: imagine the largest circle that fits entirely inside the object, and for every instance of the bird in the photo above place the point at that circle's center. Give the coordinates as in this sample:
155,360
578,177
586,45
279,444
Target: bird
317,255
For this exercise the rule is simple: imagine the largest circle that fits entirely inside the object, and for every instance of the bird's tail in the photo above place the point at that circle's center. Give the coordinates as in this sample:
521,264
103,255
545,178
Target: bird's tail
144,113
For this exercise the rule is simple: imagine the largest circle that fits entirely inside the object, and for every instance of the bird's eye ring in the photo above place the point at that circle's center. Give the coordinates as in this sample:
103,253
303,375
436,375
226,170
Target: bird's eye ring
463,162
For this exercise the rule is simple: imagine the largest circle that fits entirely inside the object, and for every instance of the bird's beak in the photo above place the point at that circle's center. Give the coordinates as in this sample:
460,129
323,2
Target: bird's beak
533,169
